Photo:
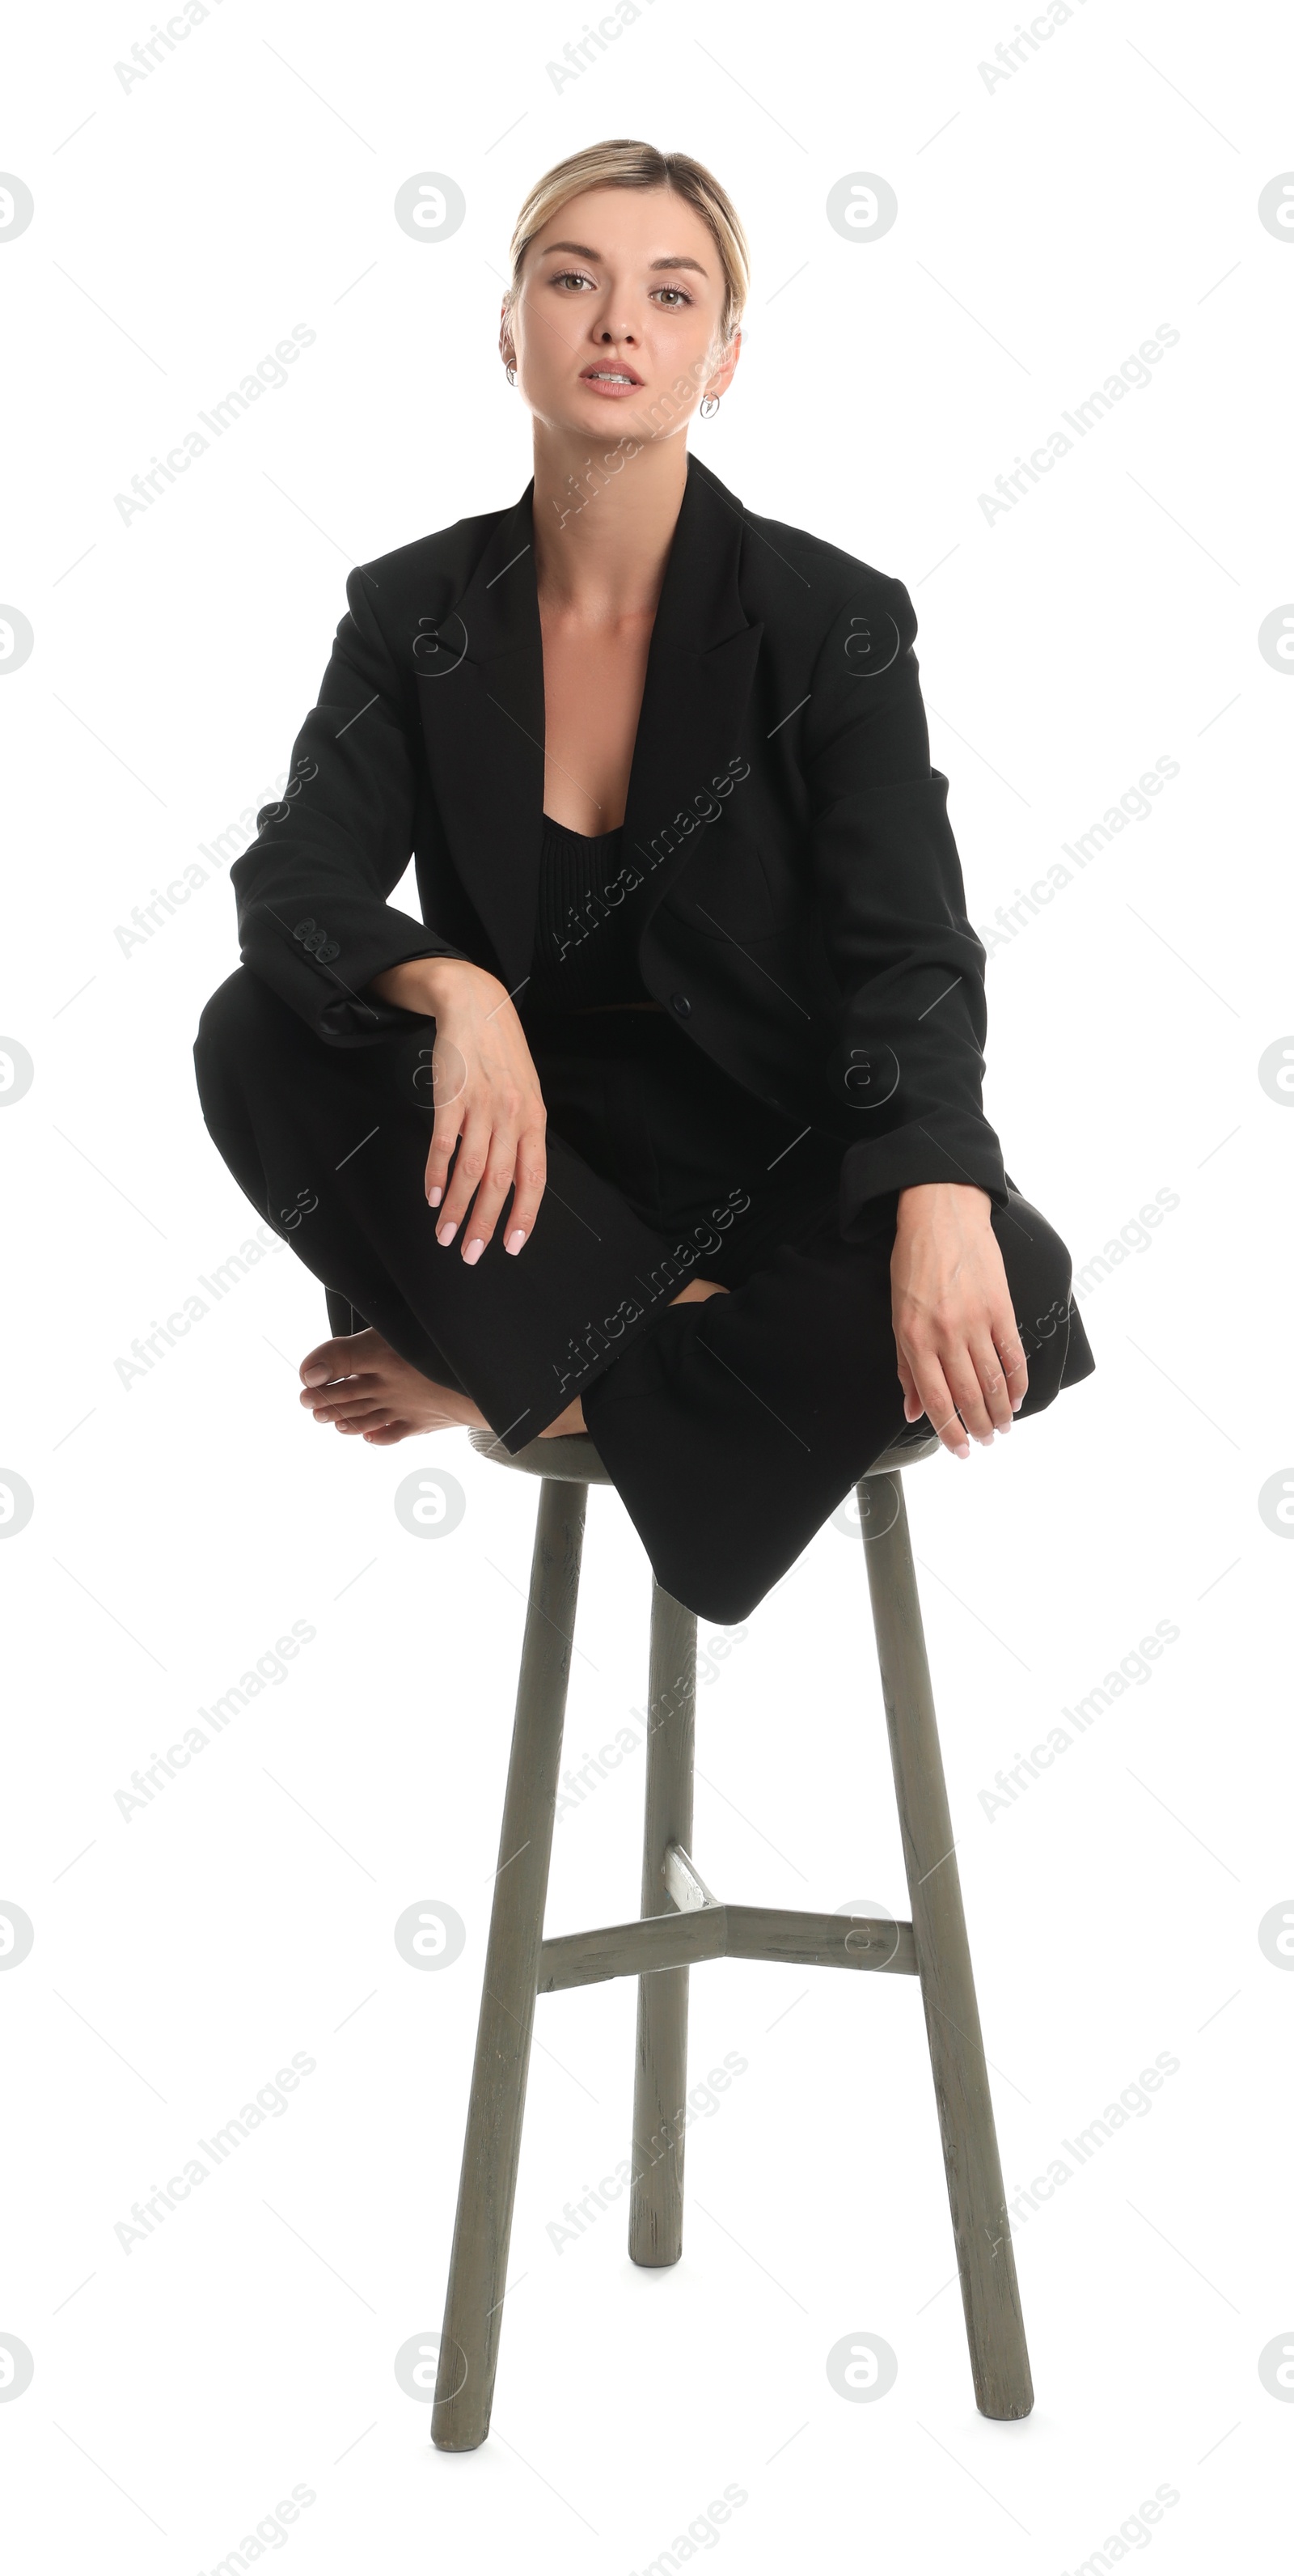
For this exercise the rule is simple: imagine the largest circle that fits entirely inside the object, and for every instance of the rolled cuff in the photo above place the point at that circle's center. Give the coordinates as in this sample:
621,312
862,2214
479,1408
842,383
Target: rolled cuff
951,1145
333,998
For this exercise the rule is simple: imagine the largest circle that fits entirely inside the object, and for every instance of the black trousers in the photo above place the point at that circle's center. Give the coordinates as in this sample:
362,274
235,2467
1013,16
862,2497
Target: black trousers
731,1426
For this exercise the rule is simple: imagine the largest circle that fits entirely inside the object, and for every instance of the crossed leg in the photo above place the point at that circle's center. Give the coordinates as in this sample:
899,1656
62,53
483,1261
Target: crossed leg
360,1385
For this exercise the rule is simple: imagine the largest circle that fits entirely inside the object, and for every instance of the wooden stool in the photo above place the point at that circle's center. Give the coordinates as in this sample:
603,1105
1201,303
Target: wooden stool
681,1923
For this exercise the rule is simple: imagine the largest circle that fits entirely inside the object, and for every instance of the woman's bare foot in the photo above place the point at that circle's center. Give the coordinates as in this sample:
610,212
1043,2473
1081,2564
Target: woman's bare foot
359,1384
697,1288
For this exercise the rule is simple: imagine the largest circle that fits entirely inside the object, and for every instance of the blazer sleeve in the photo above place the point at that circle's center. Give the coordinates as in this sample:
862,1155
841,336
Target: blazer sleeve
313,919
906,1050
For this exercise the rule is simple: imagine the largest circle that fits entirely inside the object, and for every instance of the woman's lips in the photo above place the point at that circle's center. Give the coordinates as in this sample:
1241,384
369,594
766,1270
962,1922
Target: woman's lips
617,390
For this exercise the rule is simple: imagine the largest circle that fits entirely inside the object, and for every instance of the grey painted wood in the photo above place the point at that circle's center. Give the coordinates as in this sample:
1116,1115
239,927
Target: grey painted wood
683,1881
681,1922
985,2257
569,1457
483,2225
660,2076
641,1948
647,1946
820,1940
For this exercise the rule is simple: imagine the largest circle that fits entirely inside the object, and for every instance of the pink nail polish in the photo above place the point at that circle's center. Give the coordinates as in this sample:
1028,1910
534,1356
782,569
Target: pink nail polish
446,1233
515,1239
474,1249
964,1451
435,1196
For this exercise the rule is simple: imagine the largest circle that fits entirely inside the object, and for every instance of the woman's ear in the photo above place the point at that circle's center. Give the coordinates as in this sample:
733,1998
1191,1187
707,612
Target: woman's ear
731,353
724,367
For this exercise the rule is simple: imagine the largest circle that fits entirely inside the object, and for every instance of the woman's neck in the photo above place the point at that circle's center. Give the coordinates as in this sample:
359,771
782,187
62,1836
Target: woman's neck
602,536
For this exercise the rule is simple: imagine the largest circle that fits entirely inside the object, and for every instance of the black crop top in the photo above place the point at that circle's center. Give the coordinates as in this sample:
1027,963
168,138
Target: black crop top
586,925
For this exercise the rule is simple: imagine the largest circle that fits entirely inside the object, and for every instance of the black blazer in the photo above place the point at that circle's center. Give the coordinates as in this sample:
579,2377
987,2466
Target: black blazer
805,914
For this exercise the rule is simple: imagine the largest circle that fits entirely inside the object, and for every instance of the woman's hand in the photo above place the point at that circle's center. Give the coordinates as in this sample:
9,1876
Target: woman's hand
486,1093
954,1324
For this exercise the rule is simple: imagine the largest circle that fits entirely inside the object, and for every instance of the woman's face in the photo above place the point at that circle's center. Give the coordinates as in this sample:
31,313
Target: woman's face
619,310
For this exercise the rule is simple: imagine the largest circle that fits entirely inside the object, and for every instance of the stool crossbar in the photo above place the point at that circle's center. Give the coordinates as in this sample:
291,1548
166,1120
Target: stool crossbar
680,1923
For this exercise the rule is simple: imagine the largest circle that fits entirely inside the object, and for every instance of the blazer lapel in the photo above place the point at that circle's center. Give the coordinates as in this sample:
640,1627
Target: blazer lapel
482,693
700,669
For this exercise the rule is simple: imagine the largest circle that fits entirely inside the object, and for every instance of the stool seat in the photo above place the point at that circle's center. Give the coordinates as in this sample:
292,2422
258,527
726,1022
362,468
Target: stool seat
571,1459
681,1926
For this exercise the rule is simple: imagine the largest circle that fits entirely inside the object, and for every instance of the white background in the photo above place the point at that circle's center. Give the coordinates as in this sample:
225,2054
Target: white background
1046,226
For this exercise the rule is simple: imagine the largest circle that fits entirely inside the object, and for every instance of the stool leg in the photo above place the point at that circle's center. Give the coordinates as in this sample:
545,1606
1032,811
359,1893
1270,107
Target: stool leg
469,2348
985,2257
660,2082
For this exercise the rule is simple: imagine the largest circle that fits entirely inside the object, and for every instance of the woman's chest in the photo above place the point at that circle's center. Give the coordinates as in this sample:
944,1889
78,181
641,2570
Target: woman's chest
593,692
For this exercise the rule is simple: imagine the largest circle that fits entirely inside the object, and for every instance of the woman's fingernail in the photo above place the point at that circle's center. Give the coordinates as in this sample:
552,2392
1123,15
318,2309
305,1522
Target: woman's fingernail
515,1239
964,1450
435,1196
1016,1402
474,1249
446,1233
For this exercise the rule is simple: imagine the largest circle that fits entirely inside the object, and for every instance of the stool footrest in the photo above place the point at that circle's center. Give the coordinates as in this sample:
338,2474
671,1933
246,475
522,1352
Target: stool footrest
717,1931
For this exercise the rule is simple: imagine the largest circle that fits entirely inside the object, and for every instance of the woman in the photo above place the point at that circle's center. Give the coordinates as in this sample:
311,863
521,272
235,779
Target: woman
665,1120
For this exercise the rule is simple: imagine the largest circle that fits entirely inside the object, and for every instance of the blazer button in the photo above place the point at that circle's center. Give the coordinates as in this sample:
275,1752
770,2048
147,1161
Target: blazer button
681,1004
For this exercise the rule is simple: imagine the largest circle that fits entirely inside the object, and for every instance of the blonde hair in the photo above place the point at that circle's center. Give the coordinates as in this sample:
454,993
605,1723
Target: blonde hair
639,165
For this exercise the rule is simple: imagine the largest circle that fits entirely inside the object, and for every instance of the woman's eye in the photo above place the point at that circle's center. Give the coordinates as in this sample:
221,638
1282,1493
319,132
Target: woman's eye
576,277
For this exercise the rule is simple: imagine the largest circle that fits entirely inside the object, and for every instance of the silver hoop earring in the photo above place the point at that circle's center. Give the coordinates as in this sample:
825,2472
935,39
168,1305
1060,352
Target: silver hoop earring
511,374
710,406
